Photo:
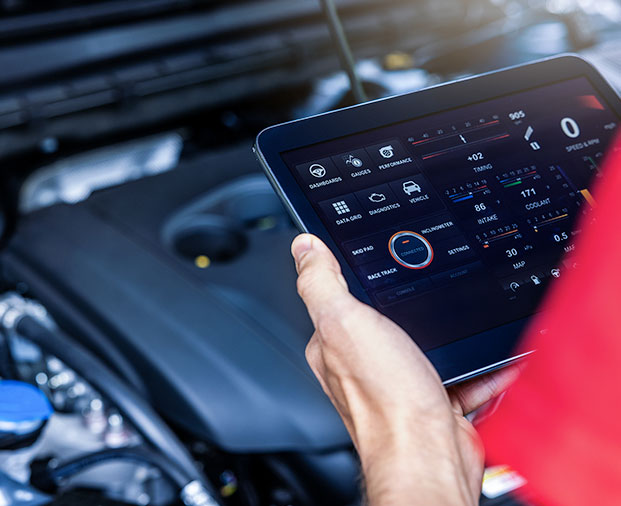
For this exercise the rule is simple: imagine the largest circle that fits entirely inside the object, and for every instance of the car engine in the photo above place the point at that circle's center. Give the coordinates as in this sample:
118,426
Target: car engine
152,342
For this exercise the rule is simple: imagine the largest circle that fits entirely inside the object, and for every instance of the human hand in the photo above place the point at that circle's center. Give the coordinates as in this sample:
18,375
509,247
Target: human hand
415,445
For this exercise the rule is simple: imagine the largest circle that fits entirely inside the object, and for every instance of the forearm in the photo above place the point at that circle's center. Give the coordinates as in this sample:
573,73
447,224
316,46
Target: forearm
423,472
415,446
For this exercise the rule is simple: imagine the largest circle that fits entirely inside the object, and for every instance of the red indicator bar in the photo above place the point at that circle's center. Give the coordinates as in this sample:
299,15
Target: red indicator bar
498,138
435,154
488,123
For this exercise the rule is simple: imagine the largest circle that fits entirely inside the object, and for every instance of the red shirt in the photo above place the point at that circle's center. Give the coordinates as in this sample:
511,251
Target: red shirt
559,425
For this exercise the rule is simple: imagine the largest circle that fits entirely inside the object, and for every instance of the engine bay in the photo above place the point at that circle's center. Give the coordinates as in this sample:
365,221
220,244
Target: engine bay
147,286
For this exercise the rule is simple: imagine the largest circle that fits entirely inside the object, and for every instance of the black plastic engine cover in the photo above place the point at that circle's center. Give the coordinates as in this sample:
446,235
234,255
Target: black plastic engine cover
220,349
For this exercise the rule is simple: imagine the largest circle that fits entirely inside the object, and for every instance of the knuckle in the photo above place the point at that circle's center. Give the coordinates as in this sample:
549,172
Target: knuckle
304,283
493,387
314,358
351,315
311,353
328,326
336,320
305,263
310,359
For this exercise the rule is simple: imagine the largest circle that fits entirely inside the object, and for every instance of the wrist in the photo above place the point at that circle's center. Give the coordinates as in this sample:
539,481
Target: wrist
421,466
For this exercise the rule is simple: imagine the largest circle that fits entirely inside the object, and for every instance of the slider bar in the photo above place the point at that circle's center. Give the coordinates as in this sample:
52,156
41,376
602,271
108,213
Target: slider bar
498,237
438,153
458,197
547,222
458,133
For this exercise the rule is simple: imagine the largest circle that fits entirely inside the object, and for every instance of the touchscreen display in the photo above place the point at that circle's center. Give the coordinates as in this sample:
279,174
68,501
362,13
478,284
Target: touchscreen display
455,222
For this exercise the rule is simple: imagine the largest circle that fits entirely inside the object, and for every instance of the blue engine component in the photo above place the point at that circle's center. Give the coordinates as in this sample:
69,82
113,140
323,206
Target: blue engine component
24,410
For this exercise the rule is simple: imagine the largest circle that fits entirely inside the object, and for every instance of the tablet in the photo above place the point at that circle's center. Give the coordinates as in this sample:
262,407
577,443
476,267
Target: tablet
451,209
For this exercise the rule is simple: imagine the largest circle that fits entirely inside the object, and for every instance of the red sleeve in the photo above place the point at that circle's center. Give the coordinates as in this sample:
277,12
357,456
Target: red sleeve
559,425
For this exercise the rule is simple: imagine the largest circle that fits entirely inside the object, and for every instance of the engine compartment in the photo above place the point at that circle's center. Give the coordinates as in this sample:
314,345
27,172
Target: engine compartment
136,226
184,328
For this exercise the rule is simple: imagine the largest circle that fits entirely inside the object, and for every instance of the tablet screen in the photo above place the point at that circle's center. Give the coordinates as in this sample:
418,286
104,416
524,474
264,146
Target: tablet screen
454,223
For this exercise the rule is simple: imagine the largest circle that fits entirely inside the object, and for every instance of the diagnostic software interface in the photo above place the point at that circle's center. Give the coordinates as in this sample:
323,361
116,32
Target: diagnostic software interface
455,222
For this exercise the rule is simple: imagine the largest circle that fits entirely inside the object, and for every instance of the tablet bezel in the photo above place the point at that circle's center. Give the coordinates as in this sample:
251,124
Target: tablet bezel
469,356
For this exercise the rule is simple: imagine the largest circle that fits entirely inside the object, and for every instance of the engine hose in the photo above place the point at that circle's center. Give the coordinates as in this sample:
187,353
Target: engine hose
130,404
50,477
7,365
76,320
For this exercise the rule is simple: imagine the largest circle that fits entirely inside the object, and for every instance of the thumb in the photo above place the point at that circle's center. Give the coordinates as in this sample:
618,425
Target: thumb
320,281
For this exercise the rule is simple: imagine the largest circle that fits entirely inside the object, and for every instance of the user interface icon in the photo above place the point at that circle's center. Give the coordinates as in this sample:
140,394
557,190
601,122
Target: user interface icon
317,170
353,161
341,207
377,197
410,187
387,151
410,250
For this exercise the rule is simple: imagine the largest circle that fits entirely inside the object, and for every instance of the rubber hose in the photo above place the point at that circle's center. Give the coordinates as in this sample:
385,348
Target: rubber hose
130,404
136,454
64,310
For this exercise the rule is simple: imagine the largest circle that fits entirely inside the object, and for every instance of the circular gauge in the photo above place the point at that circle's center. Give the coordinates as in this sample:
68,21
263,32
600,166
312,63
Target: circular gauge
410,250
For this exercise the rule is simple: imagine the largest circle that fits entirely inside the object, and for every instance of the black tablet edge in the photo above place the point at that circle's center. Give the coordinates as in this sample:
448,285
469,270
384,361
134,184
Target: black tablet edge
476,346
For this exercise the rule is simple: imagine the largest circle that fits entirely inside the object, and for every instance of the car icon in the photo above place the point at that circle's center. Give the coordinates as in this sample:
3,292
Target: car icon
410,187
